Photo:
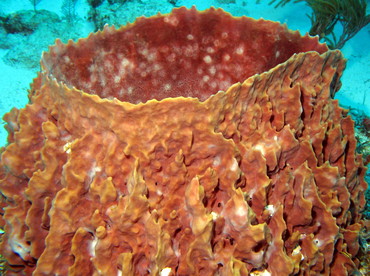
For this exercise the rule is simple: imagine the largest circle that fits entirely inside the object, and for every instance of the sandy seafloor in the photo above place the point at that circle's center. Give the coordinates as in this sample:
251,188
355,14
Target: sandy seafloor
14,81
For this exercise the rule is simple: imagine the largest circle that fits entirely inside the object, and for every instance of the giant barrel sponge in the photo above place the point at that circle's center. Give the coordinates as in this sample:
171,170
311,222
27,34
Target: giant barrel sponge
193,143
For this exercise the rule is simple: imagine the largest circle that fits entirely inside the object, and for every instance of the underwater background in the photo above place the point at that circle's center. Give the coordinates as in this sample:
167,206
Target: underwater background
24,36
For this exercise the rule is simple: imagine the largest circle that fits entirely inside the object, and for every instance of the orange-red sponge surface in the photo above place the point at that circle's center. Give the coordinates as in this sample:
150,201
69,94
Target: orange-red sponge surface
129,160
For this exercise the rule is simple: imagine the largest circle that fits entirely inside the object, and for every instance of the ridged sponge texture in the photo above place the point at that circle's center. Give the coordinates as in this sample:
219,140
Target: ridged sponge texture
128,160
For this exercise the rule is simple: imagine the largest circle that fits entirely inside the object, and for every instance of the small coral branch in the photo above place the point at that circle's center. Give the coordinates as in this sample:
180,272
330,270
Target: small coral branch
69,10
35,3
350,14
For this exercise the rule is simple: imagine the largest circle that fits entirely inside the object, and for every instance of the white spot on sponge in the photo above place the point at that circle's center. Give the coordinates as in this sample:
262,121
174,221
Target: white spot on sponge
207,59
165,271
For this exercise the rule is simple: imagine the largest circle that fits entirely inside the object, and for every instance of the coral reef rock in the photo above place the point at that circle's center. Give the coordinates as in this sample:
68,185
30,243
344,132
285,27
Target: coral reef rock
193,143
27,21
